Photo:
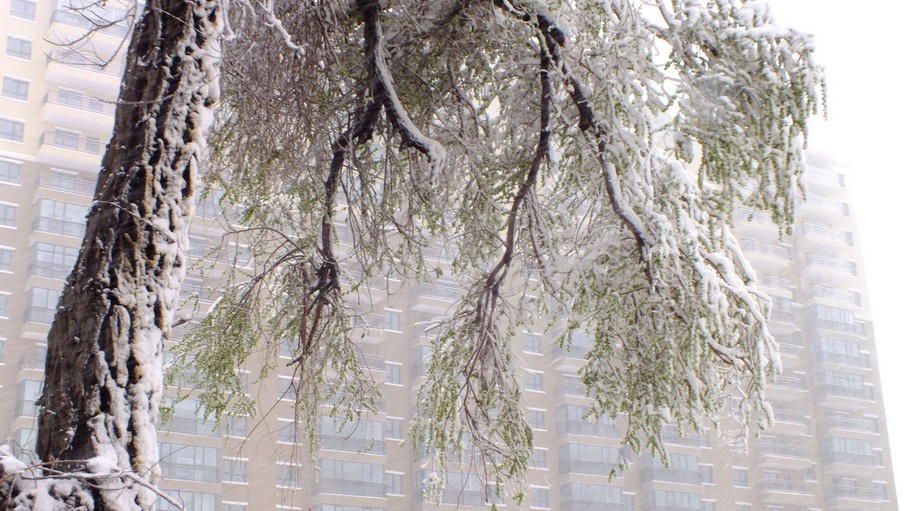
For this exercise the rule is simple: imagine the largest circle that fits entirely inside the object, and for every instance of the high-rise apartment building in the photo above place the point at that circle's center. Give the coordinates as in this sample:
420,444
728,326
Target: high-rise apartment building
827,450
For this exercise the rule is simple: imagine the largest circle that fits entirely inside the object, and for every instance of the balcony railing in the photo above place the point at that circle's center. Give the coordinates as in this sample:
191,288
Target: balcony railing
821,231
847,359
832,263
440,291
80,102
855,492
856,328
671,436
26,408
831,293
773,448
574,427
593,505
832,205
756,247
796,382
350,444
39,314
32,360
77,19
775,282
854,458
73,142
671,475
49,269
788,486
568,466
349,487
862,393
868,425
791,417
185,472
78,60
58,226
192,426
67,183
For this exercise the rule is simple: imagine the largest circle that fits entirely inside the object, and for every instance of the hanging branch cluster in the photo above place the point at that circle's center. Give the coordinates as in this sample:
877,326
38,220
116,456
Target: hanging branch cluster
589,155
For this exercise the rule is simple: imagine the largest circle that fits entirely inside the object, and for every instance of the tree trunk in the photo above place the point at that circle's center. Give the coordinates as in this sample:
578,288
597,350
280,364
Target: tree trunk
103,375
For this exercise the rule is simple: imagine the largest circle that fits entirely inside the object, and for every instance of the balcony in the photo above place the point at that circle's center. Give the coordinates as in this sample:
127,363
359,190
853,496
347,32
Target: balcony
787,486
828,233
34,361
834,264
84,72
58,226
187,472
670,436
68,149
67,183
864,393
791,417
845,359
585,428
353,488
795,382
871,459
857,328
40,314
830,293
841,491
350,444
83,21
830,206
775,282
670,475
774,251
865,425
26,408
78,111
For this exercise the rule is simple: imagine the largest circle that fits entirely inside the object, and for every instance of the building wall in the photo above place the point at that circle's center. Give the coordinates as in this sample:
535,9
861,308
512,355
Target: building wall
827,449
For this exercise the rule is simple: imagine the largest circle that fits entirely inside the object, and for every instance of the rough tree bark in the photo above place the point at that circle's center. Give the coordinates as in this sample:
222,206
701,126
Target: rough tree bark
103,374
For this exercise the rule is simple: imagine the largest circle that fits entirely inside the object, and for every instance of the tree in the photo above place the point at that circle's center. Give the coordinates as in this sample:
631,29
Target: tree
103,380
588,154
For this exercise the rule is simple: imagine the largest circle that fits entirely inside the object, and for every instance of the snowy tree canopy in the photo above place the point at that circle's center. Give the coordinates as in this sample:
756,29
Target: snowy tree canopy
588,154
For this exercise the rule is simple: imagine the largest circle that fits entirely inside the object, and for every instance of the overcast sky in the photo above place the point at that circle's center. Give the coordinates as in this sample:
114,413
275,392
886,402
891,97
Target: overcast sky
866,48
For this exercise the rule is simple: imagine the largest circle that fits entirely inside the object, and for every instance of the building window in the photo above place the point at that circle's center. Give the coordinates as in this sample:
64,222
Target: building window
287,388
189,462
12,130
394,483
19,48
9,171
391,320
6,259
537,419
14,88
27,393
8,215
741,477
237,426
4,303
538,458
533,343
187,416
393,373
394,429
191,501
534,381
232,506
361,435
61,217
24,9
234,470
52,260
539,498
351,478
707,474
41,304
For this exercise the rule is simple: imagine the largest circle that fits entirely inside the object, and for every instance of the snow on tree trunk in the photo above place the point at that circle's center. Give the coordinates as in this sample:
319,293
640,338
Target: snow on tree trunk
103,376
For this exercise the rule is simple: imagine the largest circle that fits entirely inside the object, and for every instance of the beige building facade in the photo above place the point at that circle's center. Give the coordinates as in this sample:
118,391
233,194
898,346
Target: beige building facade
828,449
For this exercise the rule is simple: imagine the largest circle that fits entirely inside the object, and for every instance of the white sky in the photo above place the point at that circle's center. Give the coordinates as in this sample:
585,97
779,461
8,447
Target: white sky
866,48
